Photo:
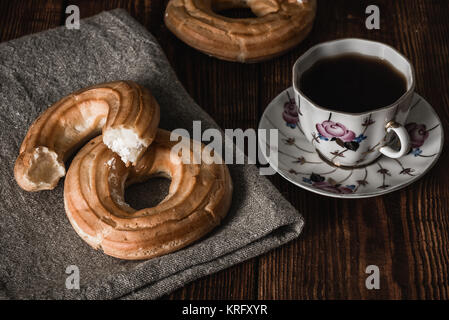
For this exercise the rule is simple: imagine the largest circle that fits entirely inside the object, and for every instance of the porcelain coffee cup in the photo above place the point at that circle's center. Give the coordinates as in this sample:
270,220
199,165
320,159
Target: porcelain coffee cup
354,139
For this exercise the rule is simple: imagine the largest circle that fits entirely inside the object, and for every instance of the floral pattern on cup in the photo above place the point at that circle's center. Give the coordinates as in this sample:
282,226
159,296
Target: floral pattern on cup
335,131
299,163
418,134
330,129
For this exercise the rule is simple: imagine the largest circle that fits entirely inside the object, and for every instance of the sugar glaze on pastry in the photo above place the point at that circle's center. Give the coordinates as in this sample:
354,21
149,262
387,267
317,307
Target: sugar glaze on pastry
279,26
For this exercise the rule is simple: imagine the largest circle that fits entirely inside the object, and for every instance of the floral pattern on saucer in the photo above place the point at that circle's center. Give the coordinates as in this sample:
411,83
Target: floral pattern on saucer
300,164
290,114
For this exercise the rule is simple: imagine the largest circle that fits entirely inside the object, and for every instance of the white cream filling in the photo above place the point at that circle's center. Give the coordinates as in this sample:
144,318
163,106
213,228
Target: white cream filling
125,142
45,169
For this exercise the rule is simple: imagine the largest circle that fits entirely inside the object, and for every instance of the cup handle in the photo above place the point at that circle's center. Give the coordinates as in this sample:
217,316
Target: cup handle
404,140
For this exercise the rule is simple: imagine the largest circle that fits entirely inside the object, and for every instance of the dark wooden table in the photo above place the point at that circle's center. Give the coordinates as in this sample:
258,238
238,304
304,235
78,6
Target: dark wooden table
405,233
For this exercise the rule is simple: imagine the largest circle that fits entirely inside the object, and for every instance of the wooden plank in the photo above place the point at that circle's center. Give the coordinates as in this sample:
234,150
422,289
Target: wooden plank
19,18
403,233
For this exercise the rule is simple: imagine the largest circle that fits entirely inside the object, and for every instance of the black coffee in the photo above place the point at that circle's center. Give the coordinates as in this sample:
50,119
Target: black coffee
353,83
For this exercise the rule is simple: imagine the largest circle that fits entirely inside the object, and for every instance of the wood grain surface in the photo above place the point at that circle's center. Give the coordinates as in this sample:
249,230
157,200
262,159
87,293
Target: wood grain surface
405,233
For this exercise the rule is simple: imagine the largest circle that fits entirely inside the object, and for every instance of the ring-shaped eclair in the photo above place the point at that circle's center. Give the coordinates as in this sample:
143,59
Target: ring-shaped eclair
279,26
125,112
199,198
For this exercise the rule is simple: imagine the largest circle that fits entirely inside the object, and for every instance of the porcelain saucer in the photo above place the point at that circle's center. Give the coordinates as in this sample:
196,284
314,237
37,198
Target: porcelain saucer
299,163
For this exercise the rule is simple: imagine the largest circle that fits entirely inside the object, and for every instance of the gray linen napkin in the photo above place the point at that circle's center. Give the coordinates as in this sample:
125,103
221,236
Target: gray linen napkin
37,243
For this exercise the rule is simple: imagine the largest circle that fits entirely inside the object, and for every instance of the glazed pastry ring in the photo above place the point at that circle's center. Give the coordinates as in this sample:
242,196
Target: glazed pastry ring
199,198
126,113
279,26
